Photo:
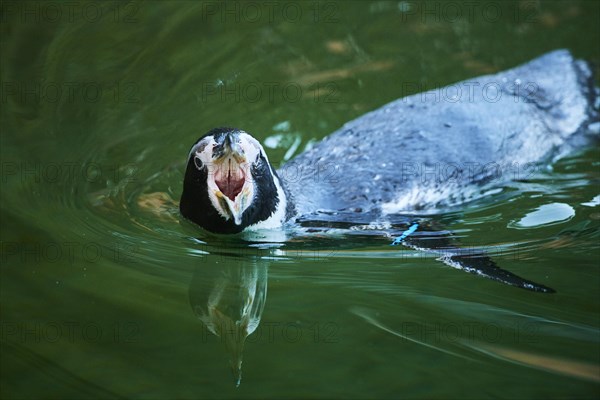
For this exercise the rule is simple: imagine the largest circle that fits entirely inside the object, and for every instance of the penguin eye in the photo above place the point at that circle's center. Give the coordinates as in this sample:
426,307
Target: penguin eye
198,163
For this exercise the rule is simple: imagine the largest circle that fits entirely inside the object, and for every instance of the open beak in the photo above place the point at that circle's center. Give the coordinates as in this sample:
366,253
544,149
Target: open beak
232,180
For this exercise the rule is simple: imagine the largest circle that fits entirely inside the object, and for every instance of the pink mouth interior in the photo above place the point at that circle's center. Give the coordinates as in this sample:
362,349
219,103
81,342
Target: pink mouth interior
231,183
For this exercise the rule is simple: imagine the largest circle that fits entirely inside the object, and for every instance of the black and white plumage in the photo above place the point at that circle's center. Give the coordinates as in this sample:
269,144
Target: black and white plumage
432,149
416,153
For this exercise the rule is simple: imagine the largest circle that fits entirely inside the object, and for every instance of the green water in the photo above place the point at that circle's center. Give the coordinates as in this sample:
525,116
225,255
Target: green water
102,282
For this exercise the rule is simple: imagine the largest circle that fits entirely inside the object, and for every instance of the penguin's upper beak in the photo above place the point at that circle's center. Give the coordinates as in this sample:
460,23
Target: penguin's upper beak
232,178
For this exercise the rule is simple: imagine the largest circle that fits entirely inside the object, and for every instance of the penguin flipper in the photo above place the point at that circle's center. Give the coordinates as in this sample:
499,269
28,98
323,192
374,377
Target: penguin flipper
483,265
478,263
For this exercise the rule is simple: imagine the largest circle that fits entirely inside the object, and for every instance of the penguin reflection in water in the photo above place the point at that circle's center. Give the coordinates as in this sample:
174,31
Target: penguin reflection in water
230,186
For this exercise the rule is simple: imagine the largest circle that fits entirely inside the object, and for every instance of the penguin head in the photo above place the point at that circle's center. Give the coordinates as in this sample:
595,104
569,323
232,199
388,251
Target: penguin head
230,185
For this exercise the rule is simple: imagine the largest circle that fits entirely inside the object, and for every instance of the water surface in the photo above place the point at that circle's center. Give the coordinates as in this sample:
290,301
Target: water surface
103,283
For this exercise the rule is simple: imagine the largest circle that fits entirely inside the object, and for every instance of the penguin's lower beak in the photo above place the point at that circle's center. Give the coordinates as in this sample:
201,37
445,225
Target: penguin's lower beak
230,176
